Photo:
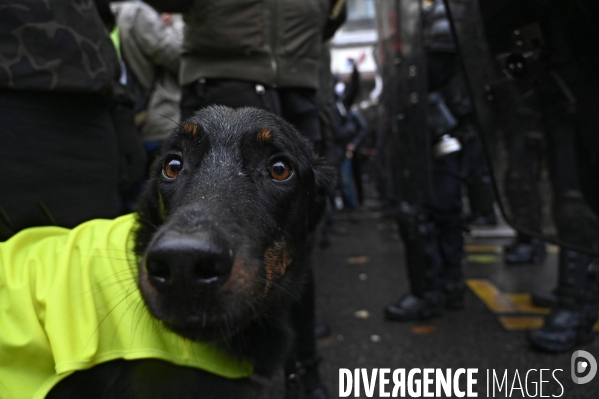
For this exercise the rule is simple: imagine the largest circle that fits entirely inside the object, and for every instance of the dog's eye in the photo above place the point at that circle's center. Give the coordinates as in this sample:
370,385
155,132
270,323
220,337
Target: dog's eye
173,166
279,170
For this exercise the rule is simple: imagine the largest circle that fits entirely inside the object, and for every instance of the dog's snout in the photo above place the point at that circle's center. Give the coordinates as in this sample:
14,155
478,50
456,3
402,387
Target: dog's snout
184,264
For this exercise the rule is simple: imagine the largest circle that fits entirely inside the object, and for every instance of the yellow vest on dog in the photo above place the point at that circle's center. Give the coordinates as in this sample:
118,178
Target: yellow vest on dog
69,300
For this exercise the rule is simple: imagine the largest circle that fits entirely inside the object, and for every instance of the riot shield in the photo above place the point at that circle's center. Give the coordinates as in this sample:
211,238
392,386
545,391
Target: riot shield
405,143
525,83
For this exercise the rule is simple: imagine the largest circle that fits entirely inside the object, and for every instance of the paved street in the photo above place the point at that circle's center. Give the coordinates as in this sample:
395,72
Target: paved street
364,270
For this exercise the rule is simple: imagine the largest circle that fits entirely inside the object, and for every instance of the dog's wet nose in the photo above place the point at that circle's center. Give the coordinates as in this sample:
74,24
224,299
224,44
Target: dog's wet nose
182,263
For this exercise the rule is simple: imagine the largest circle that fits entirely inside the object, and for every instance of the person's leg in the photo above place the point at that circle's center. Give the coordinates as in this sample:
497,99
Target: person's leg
572,318
574,219
523,196
447,213
433,243
357,172
347,184
478,183
299,107
58,166
424,264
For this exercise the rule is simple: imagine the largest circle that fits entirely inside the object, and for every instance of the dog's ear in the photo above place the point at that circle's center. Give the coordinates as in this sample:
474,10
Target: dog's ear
325,181
324,177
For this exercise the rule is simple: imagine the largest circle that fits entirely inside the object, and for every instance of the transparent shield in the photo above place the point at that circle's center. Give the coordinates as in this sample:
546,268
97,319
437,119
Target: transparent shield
530,99
405,142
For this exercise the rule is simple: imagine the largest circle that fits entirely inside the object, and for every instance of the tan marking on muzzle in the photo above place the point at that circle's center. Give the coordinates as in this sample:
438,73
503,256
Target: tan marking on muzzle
243,276
240,275
145,282
265,136
190,128
276,260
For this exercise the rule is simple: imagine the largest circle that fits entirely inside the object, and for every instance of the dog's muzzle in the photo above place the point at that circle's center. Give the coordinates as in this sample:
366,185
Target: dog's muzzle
188,264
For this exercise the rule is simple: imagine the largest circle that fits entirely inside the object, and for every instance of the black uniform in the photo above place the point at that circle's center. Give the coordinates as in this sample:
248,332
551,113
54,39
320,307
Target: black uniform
434,234
542,100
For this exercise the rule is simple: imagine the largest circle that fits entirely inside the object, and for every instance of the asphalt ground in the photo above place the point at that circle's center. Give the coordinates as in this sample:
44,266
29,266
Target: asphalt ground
364,270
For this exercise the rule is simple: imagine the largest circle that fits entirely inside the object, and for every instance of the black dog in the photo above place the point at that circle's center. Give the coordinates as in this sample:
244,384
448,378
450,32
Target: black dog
223,241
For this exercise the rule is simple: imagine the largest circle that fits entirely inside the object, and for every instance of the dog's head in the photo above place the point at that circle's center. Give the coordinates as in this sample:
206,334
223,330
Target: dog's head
225,220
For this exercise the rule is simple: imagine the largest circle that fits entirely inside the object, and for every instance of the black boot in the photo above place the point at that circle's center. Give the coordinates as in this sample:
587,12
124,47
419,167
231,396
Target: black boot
322,331
411,307
312,386
544,299
525,251
423,261
571,320
302,375
565,328
478,220
431,304
293,386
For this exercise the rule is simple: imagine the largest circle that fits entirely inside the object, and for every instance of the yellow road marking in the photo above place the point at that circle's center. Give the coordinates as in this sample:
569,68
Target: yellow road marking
515,304
524,304
515,323
483,249
521,323
491,296
498,249
482,258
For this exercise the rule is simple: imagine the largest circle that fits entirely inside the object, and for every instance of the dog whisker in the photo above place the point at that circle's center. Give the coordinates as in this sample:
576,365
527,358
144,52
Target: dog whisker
97,329
170,102
125,313
170,119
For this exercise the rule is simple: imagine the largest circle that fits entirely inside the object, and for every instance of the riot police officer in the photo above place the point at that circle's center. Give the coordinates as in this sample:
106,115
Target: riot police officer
544,99
434,233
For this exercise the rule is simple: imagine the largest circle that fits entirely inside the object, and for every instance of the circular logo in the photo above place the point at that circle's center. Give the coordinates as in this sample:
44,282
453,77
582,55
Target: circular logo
581,367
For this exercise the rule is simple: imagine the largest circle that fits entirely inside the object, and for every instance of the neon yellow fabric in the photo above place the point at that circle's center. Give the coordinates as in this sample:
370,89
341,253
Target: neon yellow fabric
69,301
116,40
